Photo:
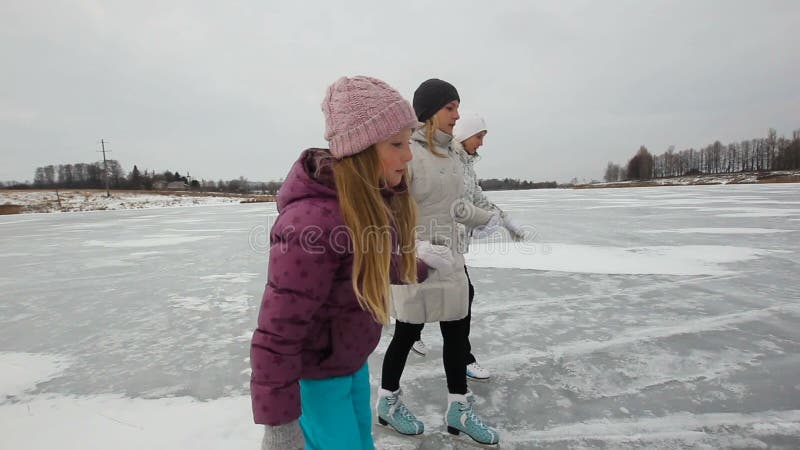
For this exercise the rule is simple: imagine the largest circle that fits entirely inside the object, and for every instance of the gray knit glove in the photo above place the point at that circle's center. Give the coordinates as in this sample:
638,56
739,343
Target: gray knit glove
283,437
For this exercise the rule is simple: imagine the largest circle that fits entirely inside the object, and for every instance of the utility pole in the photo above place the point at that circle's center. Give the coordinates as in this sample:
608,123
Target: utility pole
105,165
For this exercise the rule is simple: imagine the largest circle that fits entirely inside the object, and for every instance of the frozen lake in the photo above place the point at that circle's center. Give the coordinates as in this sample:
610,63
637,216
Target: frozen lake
639,318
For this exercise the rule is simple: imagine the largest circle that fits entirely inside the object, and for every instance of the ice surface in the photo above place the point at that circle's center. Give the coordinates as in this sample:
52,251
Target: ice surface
720,231
638,318
149,241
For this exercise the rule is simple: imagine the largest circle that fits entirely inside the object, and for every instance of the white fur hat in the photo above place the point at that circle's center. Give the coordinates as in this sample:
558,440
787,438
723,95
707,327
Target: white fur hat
467,125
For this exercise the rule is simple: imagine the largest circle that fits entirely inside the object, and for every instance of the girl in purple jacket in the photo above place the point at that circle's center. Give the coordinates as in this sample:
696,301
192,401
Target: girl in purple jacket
345,229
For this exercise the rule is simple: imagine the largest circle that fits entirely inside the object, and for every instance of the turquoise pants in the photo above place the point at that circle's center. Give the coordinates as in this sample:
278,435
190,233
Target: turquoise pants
336,412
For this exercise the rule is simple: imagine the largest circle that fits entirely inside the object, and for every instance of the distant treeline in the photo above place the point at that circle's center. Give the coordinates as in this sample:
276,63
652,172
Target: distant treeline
509,184
754,155
91,176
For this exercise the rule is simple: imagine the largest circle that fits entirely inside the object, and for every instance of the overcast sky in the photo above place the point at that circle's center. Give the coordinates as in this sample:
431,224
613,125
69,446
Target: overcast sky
223,89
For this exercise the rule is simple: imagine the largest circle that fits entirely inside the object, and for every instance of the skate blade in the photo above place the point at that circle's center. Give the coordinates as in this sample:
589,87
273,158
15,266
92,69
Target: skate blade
464,438
479,380
393,430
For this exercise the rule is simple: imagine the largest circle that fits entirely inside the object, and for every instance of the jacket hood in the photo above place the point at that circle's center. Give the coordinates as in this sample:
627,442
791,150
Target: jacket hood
311,176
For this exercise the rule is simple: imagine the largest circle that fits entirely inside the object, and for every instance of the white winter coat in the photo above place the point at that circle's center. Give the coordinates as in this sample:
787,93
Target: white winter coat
472,190
437,185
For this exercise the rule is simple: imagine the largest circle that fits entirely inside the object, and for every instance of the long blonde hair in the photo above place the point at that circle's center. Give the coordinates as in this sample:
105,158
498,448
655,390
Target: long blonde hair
369,220
431,125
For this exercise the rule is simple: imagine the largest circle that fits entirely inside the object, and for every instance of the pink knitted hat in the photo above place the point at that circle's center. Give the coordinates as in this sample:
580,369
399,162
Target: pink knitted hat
362,111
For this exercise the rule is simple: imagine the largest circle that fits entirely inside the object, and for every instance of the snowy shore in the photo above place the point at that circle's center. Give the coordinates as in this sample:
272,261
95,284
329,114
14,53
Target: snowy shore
40,201
704,179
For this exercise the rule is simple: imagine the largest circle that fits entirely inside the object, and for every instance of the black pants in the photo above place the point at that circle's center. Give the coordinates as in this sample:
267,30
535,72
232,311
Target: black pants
470,357
455,353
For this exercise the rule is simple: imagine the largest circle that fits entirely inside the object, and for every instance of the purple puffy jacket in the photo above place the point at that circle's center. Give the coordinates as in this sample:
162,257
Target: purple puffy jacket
310,324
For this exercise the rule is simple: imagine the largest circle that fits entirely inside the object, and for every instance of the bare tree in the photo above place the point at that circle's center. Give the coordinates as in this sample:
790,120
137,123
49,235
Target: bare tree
641,165
39,178
116,174
612,172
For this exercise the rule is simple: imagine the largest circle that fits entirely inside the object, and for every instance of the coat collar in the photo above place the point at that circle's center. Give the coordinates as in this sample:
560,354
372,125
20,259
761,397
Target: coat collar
440,138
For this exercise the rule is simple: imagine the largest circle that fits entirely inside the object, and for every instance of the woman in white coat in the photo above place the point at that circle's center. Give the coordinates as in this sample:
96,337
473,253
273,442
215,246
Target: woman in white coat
436,181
